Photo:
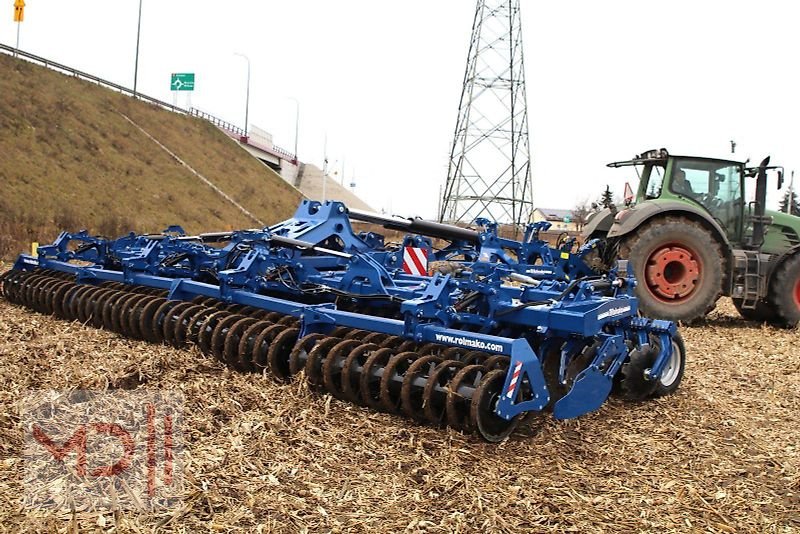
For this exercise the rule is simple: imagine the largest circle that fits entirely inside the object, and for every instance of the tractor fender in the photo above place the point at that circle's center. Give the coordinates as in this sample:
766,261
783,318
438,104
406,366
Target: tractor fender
599,222
631,219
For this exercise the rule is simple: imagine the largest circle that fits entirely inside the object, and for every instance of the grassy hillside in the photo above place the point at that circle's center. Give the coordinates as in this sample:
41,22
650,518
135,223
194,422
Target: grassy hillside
69,160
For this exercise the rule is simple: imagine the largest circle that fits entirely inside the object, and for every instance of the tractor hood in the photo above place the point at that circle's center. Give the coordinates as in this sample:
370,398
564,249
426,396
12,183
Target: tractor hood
780,218
782,233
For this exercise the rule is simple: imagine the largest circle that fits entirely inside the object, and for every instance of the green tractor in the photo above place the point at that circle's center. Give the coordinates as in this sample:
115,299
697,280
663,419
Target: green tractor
692,236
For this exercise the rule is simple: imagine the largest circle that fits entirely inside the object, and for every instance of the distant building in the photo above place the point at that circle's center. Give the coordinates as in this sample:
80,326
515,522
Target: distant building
560,219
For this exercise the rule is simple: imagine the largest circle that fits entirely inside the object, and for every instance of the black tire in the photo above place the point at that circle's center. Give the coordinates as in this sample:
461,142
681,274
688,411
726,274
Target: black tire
764,312
634,386
665,234
784,292
672,374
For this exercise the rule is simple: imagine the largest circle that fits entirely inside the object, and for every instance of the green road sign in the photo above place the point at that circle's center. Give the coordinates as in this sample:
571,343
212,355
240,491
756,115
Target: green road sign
182,81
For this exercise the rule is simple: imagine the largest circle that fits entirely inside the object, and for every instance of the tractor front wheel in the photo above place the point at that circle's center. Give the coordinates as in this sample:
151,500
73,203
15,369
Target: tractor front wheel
784,292
678,265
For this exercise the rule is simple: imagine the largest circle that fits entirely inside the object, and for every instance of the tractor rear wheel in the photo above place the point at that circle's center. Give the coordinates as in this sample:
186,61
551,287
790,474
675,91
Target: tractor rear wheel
784,292
678,265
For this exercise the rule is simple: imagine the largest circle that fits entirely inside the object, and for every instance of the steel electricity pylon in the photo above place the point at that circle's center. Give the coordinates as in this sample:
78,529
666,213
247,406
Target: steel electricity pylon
489,173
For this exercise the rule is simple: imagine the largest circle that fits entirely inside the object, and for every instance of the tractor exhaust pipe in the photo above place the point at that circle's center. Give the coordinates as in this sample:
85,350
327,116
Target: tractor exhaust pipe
760,204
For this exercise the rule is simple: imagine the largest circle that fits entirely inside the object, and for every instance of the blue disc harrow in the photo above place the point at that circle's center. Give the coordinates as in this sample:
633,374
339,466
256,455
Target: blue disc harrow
450,326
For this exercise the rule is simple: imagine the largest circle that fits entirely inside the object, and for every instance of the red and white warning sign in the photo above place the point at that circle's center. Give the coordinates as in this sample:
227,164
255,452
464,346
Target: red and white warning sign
415,261
628,194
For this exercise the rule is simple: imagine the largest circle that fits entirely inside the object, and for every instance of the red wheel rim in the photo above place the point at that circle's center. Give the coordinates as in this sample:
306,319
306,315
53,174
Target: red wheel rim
797,293
672,273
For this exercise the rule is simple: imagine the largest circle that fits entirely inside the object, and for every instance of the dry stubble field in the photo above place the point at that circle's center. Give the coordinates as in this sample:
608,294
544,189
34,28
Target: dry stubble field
719,456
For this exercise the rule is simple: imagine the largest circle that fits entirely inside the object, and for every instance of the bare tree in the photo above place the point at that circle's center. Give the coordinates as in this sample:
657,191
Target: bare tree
580,213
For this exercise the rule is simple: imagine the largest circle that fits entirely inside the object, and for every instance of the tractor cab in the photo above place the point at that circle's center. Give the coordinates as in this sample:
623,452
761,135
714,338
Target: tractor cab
713,186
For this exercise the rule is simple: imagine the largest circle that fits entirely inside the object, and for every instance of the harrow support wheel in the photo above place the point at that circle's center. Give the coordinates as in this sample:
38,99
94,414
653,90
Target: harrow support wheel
672,374
357,334
427,349
483,418
27,290
9,284
127,313
3,277
454,353
33,287
22,289
633,384
375,337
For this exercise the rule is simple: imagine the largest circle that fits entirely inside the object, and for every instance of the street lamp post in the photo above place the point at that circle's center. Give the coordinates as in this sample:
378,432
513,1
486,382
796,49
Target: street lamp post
296,123
138,34
325,168
247,97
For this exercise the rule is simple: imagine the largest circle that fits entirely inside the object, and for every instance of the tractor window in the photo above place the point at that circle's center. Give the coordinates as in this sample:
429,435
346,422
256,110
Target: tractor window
716,185
653,181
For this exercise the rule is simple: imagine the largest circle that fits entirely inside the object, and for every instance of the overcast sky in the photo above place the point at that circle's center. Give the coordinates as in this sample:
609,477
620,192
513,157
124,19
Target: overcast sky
605,80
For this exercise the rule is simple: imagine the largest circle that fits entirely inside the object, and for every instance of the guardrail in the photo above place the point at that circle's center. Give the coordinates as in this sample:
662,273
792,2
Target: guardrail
242,135
216,121
225,125
90,78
